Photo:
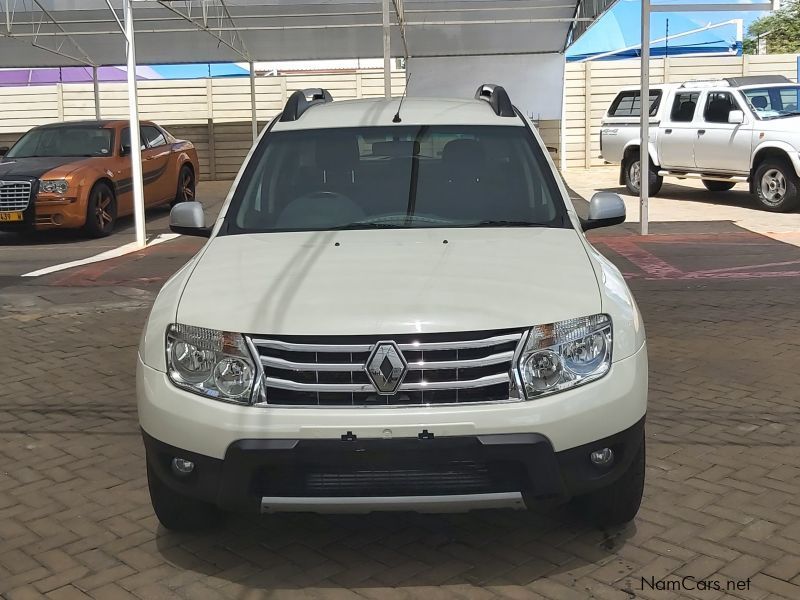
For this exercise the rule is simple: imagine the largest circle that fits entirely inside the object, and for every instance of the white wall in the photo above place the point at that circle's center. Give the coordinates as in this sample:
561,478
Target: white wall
535,82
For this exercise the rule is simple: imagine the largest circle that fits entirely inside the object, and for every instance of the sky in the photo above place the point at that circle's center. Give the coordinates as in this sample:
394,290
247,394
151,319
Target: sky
620,27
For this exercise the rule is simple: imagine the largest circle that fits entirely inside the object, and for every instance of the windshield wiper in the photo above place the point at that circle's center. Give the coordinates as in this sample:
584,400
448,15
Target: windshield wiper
363,225
505,223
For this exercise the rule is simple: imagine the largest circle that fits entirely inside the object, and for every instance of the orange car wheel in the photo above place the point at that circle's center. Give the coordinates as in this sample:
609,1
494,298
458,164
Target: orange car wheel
186,186
101,211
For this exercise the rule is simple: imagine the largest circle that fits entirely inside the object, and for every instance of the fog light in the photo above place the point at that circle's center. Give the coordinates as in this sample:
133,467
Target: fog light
181,466
58,219
602,458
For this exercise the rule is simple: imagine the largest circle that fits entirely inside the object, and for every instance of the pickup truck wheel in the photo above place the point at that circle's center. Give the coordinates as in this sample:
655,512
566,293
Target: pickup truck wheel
718,186
178,512
618,503
776,186
632,172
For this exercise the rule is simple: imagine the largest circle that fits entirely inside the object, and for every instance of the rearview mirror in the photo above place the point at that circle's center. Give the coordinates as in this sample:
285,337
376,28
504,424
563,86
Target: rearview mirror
736,117
187,218
4,150
605,209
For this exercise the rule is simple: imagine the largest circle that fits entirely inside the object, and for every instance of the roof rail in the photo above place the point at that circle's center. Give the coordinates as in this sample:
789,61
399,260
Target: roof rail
301,100
706,83
498,99
756,80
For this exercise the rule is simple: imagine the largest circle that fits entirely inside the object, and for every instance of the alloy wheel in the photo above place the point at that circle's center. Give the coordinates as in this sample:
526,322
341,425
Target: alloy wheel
102,212
187,186
773,187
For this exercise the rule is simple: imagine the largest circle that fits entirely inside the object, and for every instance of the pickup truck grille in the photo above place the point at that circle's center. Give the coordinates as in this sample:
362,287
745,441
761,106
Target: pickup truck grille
14,195
442,369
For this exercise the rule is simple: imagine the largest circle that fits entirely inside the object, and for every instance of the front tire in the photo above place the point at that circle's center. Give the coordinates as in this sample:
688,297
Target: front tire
101,211
178,512
632,174
186,186
713,185
619,502
776,186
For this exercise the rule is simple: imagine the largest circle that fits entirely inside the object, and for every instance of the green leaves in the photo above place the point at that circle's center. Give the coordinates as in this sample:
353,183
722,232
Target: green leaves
781,29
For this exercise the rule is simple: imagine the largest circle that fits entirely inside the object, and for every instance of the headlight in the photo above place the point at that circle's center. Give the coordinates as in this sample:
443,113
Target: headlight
562,355
211,363
53,186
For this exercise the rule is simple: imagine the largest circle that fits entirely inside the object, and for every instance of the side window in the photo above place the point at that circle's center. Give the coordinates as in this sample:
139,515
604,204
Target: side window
684,106
628,104
718,107
153,136
125,139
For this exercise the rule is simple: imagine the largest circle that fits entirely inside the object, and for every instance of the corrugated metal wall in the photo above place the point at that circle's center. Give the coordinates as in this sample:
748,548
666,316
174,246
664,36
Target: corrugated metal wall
212,113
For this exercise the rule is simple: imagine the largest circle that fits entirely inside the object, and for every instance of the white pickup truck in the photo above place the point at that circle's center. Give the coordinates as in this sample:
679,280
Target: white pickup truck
734,130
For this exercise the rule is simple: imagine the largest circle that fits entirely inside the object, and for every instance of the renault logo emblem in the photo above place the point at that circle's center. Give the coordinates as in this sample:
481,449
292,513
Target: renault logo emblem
386,367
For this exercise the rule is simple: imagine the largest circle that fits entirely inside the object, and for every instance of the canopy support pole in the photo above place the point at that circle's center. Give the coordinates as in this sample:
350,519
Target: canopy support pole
96,85
387,52
253,114
644,103
133,117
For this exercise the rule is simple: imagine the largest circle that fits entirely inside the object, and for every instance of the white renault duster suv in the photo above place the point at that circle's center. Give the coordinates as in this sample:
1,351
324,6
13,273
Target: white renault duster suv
396,309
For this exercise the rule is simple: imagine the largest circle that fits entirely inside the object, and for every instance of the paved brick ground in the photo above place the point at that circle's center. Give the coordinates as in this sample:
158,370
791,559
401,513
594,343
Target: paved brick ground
723,473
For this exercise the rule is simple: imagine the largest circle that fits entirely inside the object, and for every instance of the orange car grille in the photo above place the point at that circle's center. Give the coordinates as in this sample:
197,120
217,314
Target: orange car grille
14,195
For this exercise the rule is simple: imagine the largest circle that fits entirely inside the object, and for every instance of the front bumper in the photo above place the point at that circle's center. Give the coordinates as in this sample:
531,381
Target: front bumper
265,475
567,419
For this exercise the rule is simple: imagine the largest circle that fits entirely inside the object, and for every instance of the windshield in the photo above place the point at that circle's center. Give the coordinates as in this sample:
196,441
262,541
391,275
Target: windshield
397,177
63,141
771,102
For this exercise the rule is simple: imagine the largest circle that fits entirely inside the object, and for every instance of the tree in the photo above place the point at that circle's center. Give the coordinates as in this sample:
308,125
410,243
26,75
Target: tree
782,28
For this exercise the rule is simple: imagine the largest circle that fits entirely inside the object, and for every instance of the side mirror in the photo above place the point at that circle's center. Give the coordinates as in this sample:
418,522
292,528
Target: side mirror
187,218
4,150
605,209
736,117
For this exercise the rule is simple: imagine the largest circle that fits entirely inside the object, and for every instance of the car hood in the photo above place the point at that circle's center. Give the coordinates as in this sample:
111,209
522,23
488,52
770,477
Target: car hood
36,167
390,281
791,123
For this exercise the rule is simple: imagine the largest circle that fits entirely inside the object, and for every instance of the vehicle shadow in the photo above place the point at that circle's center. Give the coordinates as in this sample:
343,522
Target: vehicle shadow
739,196
476,549
156,218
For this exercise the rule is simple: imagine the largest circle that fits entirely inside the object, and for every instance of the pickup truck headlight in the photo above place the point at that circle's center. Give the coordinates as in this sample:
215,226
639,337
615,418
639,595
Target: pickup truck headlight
211,363
53,186
566,354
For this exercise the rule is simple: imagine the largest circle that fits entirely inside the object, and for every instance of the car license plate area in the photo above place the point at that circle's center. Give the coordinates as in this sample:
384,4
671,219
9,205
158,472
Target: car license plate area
6,217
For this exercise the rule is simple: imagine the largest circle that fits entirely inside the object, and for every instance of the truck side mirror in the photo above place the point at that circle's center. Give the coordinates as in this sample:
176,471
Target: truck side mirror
605,209
736,117
187,218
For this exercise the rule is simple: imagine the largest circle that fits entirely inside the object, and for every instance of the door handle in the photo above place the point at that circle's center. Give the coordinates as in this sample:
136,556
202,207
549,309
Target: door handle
668,131
701,131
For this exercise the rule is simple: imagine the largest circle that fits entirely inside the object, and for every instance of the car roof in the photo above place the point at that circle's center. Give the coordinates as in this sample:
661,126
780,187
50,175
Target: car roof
102,124
380,111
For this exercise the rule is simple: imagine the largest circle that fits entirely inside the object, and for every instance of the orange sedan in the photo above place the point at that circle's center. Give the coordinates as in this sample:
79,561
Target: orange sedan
78,175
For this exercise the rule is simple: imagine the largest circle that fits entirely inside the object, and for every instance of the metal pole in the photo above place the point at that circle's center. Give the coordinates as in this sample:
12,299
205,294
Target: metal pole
253,115
387,51
644,142
133,117
96,94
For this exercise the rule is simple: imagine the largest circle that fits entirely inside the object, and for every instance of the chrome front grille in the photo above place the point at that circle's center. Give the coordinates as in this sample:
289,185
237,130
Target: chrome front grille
442,369
14,195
